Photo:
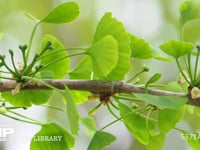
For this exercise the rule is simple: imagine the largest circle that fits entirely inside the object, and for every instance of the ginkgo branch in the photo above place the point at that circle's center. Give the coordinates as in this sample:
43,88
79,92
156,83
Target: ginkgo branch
93,86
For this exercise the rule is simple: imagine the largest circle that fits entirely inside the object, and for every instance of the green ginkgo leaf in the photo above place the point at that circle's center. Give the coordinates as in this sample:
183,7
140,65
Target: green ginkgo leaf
72,111
83,70
176,48
110,26
173,117
104,56
89,124
170,102
100,140
156,142
140,48
191,31
25,98
59,68
136,124
153,79
190,20
63,13
189,10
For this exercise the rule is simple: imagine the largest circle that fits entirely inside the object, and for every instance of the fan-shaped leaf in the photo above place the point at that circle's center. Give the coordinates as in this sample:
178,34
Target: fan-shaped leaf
111,26
100,140
83,70
189,10
63,13
104,56
173,117
136,124
27,97
190,20
153,79
156,142
59,68
89,124
140,48
176,48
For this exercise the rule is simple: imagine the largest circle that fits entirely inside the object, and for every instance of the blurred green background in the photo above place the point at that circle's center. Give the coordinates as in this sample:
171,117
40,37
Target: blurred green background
154,20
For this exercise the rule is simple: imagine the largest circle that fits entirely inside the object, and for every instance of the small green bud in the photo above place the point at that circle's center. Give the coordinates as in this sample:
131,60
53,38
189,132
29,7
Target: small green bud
48,45
145,68
11,52
39,67
23,47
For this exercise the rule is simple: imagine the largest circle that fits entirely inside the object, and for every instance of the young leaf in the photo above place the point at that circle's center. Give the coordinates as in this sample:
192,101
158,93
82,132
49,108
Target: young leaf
176,49
104,56
83,70
156,142
168,118
89,124
72,111
27,97
162,102
136,124
190,20
111,26
80,96
153,79
63,13
51,137
140,48
59,68
100,140
189,10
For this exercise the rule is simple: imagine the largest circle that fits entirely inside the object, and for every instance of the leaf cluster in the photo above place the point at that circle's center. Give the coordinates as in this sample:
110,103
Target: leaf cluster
147,117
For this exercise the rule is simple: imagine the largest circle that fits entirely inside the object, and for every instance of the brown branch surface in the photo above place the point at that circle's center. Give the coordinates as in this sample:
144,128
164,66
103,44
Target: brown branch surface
93,86
97,87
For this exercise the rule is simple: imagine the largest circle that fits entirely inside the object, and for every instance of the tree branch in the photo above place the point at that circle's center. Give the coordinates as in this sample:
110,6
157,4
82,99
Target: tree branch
93,86
96,87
